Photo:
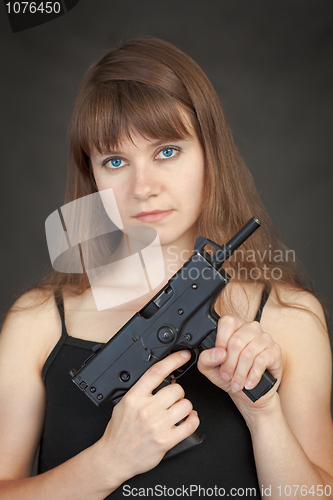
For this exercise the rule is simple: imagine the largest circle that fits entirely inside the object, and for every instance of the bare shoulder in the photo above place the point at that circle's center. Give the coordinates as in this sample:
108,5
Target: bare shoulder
29,334
300,330
305,390
290,313
300,299
32,324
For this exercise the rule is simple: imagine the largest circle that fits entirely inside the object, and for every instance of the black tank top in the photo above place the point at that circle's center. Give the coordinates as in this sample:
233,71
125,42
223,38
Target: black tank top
224,462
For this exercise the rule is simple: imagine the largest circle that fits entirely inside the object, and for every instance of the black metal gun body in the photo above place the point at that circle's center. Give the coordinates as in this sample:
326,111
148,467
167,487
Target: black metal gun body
181,315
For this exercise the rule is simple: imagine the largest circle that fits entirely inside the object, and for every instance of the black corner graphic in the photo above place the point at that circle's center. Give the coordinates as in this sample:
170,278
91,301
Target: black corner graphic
70,4
29,14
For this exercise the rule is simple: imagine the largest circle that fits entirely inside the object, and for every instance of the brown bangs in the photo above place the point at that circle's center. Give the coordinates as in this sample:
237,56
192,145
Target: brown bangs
120,108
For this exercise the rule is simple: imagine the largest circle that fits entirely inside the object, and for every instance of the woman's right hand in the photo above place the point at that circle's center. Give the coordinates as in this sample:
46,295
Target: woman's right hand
142,428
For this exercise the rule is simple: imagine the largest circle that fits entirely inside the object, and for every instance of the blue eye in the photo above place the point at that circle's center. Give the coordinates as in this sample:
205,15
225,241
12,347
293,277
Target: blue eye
114,163
167,153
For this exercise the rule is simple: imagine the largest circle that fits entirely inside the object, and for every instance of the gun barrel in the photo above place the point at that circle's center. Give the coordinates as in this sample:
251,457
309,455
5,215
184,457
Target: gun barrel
228,249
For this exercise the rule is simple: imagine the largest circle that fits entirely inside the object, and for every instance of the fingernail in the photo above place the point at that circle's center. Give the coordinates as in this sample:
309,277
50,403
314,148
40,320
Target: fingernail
185,354
235,387
218,354
225,376
249,384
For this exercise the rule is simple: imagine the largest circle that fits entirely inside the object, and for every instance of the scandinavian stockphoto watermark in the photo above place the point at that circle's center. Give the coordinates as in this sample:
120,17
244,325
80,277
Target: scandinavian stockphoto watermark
246,264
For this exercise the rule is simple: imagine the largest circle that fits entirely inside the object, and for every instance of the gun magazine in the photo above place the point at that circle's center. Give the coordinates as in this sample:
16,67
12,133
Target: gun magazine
185,445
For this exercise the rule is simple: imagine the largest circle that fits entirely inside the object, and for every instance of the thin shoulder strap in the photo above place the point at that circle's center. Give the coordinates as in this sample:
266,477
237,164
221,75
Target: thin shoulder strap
264,297
61,341
60,305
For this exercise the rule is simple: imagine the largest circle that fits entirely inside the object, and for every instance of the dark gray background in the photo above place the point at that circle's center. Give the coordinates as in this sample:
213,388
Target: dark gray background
271,64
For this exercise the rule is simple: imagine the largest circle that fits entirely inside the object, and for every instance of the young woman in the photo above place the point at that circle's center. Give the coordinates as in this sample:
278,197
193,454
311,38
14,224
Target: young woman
148,124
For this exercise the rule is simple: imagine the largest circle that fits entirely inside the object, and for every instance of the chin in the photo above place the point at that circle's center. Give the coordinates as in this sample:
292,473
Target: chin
166,239
182,240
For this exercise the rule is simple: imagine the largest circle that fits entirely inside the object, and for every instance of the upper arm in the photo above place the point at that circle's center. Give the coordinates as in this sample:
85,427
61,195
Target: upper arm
305,390
23,349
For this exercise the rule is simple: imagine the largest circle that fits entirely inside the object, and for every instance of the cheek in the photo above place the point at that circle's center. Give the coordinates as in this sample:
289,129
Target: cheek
194,184
104,181
114,205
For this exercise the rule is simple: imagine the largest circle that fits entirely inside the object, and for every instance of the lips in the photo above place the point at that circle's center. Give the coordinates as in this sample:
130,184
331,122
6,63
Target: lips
154,216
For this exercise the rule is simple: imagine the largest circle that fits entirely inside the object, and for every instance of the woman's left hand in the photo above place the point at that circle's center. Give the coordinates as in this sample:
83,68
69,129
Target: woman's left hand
243,351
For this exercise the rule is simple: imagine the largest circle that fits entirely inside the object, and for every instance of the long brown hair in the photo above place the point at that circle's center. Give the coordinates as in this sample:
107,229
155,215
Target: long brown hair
144,86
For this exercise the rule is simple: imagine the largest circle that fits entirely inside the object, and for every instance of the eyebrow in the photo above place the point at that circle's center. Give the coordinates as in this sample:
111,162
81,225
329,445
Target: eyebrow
152,145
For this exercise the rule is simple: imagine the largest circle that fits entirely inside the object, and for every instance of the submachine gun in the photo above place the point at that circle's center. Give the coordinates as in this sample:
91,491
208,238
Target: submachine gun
179,316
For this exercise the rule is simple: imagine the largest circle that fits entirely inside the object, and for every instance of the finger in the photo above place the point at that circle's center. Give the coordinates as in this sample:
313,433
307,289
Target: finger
179,411
245,363
270,359
226,327
210,359
236,345
184,429
155,375
209,364
170,394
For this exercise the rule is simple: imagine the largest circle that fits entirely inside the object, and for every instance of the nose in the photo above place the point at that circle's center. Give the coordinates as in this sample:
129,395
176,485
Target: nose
146,182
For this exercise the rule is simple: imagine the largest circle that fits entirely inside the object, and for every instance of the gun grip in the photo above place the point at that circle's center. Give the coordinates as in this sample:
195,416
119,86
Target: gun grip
266,383
185,445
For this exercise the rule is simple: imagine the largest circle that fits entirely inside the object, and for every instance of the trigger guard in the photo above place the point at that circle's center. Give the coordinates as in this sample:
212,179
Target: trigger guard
183,369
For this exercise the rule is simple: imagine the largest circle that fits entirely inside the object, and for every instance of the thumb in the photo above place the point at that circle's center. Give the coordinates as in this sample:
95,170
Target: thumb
209,363
211,359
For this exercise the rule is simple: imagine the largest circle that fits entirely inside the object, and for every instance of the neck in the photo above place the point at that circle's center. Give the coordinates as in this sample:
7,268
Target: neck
175,255
140,268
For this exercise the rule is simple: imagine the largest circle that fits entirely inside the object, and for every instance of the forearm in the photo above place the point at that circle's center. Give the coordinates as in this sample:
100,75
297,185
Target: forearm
282,466
84,477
